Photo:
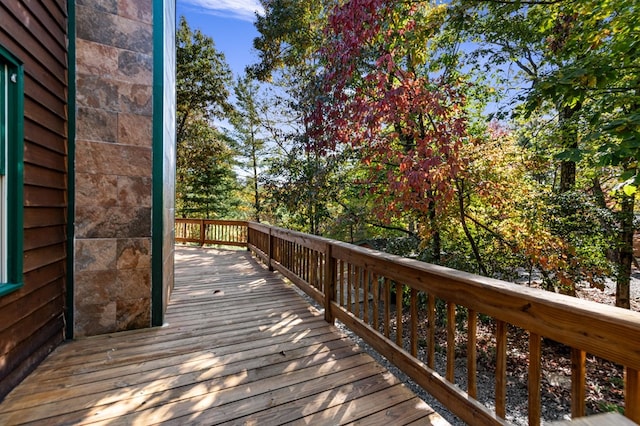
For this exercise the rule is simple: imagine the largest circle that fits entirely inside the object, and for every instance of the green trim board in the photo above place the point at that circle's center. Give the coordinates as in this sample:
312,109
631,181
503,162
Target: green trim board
157,228
3,111
14,170
71,155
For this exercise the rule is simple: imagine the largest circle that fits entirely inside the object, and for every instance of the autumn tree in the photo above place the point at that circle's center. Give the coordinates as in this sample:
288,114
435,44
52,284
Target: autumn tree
383,99
582,68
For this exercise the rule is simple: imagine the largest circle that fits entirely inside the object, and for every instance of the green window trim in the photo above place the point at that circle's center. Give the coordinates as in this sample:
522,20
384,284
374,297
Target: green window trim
13,169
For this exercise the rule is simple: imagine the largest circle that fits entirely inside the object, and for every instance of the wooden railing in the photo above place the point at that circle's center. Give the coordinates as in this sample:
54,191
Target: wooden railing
206,231
357,286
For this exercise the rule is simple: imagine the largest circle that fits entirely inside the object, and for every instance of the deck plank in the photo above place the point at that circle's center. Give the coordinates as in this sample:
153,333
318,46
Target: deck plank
239,346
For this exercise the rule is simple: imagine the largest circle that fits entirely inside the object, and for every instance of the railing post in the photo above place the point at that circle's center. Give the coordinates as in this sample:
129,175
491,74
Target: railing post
632,394
248,230
578,382
329,285
270,250
202,232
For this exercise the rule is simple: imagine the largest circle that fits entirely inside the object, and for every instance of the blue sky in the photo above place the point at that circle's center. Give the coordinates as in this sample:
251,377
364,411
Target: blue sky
229,23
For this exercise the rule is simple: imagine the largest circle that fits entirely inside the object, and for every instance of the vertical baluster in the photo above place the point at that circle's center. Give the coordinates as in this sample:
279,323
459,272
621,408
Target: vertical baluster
278,244
376,296
356,290
285,253
300,260
632,394
399,288
291,255
501,368
578,382
365,285
349,287
320,273
451,342
313,268
295,248
310,276
329,284
341,282
535,354
317,265
431,318
294,258
387,307
472,325
414,322
273,243
303,257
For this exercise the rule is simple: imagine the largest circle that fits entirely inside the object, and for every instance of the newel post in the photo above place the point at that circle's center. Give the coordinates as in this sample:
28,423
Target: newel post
270,250
202,232
329,284
248,236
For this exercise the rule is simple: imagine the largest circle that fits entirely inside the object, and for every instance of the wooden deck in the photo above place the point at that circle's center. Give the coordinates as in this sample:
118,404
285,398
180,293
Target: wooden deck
239,347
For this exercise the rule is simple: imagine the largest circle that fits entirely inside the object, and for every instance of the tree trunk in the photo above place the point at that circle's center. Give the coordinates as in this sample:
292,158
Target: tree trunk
625,260
567,175
435,234
256,194
467,233
569,140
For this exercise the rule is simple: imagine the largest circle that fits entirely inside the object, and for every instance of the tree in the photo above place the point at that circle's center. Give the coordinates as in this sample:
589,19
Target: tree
605,75
383,98
202,78
582,63
205,182
300,173
290,34
247,138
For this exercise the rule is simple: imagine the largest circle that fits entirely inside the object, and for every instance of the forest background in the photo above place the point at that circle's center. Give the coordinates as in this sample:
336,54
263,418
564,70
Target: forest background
496,137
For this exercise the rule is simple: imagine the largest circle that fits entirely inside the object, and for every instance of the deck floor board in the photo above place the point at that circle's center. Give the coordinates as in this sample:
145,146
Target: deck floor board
239,346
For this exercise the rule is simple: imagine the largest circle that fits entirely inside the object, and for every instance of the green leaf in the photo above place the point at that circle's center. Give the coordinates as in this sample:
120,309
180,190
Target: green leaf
629,190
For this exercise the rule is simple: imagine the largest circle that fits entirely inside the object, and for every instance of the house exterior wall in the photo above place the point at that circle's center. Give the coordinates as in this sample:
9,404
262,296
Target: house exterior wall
32,317
99,168
113,166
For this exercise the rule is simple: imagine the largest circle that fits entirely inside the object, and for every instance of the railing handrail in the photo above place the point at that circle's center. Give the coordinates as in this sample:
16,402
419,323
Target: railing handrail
525,305
586,326
231,232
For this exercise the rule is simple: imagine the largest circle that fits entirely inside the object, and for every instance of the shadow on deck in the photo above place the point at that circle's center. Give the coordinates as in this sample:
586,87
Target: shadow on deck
240,346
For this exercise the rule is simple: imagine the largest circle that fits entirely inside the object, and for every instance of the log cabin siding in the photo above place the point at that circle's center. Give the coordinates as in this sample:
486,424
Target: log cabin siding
31,318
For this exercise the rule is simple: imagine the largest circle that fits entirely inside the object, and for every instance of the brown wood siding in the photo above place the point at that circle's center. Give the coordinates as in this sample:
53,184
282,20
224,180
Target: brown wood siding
31,319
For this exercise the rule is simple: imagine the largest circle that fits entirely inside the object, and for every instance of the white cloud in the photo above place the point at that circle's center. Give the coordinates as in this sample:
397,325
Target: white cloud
239,9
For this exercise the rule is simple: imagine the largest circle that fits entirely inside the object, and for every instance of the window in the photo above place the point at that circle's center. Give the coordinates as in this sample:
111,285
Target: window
11,172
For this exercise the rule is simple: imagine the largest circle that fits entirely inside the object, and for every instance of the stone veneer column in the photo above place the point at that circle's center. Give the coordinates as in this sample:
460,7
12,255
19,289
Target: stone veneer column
113,166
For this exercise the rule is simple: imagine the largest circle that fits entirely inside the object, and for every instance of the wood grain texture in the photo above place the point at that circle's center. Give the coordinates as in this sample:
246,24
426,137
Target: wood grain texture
239,346
578,382
32,318
533,382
